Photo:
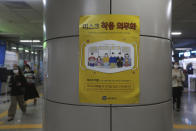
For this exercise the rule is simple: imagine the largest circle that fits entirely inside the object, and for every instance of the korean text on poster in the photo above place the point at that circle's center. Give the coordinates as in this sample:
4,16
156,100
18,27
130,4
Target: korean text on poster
109,59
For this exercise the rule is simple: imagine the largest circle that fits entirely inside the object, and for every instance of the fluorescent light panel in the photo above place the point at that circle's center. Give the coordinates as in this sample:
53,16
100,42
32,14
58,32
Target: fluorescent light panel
25,41
185,49
20,48
176,33
36,41
14,48
30,41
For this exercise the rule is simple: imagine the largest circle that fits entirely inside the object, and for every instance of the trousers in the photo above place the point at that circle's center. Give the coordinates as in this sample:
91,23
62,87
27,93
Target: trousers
13,105
177,93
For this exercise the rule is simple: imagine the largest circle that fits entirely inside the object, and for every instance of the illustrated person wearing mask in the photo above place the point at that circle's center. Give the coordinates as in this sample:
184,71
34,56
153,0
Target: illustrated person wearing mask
30,92
106,60
177,85
120,60
91,60
112,60
17,83
99,61
127,61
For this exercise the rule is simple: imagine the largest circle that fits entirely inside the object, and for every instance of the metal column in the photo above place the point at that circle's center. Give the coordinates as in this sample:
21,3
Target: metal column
63,112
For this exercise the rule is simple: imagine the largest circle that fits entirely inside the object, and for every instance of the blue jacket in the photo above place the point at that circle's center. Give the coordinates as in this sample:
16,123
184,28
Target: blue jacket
113,59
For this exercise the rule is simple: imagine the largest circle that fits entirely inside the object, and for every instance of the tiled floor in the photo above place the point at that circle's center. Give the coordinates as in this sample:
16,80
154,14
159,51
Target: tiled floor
185,120
187,115
31,121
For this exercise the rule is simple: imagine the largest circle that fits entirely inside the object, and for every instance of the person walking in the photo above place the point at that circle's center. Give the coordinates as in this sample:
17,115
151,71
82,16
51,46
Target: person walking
17,84
31,91
177,85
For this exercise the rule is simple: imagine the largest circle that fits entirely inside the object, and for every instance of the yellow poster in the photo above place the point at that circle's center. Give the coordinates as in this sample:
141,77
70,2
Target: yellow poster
109,59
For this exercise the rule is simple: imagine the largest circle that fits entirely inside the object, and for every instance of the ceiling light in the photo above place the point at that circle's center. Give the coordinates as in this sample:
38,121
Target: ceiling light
176,33
26,51
25,41
20,48
36,53
36,41
32,52
30,41
14,48
185,49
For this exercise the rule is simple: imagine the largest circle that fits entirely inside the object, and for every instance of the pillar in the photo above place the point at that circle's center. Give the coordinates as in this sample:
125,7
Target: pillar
62,110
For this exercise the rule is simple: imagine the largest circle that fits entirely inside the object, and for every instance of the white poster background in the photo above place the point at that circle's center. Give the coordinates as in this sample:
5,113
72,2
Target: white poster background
109,43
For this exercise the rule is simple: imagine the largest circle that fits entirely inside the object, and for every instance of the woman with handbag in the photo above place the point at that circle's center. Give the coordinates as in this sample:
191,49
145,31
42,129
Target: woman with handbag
31,91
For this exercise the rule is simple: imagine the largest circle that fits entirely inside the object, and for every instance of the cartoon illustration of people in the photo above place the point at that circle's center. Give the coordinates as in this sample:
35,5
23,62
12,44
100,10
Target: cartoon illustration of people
112,60
127,61
99,61
106,60
91,60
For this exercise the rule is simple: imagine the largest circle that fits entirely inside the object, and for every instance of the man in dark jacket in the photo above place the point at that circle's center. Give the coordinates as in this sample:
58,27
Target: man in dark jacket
17,84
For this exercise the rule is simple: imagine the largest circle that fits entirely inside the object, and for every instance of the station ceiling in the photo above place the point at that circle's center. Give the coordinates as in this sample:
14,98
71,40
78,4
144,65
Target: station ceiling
184,20
22,19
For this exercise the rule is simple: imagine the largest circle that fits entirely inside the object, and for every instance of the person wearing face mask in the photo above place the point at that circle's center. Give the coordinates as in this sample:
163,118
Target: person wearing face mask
31,91
112,60
120,60
106,60
177,85
17,83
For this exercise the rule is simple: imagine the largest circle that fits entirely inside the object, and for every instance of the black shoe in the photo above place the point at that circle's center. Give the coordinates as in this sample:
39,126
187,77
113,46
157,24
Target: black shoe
10,119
